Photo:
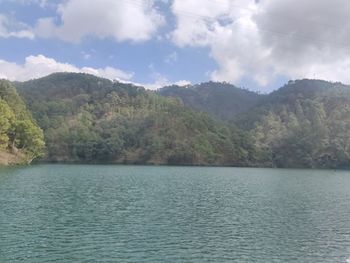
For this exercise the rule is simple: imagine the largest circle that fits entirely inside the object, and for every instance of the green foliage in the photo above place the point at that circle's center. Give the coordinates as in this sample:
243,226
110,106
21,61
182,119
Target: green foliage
220,100
306,125
18,132
89,119
29,137
6,121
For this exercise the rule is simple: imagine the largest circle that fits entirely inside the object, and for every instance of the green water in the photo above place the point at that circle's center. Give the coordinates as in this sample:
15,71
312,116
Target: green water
87,213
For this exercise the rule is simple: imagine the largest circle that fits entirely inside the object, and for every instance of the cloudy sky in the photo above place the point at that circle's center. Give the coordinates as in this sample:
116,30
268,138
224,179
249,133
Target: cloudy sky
258,44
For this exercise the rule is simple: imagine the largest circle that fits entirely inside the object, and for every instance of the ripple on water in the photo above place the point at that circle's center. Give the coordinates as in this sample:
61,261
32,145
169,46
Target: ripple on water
77,213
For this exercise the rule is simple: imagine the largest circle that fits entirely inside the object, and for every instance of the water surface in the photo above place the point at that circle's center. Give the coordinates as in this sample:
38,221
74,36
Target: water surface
87,213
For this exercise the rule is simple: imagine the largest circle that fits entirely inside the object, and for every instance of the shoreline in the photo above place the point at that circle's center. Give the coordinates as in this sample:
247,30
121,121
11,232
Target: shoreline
172,165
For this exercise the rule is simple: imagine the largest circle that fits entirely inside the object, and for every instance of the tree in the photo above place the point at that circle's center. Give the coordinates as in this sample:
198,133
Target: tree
6,120
29,138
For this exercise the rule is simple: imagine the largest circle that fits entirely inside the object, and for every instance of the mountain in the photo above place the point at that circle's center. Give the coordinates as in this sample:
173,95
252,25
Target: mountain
21,140
220,100
303,124
306,123
90,119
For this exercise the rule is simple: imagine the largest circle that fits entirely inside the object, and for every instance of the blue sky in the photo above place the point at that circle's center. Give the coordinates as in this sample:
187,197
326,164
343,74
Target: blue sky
159,42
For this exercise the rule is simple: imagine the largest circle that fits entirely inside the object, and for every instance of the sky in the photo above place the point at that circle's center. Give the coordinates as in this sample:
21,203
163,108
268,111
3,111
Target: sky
256,44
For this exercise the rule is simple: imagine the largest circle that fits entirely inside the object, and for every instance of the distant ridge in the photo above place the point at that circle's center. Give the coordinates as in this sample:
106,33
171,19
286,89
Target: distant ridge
89,119
221,100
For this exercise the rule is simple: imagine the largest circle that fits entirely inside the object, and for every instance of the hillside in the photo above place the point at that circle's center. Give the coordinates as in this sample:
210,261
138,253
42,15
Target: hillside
220,100
303,124
89,119
306,123
21,140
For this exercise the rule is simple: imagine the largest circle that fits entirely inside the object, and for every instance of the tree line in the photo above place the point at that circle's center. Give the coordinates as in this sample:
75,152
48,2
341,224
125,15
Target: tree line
92,120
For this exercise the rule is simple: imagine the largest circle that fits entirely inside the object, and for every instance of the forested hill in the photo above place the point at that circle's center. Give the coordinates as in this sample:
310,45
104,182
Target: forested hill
306,123
89,119
220,100
21,140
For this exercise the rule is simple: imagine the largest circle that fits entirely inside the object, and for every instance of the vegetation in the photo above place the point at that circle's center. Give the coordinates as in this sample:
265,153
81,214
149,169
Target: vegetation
89,119
220,100
21,140
304,124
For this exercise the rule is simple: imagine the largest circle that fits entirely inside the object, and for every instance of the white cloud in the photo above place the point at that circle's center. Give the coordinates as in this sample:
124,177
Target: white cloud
159,80
195,20
183,83
85,55
41,3
121,20
171,58
9,28
39,66
162,82
311,37
266,38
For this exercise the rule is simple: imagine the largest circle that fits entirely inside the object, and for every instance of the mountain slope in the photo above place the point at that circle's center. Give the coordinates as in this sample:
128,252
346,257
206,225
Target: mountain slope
21,140
306,123
221,100
303,124
89,119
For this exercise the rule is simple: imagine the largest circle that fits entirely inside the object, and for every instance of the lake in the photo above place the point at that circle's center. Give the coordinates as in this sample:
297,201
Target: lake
105,213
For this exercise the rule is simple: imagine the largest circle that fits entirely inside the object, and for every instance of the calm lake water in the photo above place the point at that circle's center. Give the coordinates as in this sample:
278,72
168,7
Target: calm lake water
87,213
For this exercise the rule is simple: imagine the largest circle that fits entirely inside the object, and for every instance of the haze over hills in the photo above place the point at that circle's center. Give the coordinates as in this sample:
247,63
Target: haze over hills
90,119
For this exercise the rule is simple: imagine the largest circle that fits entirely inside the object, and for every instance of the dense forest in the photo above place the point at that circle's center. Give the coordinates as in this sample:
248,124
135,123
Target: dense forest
89,119
306,123
21,140
93,120
219,100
